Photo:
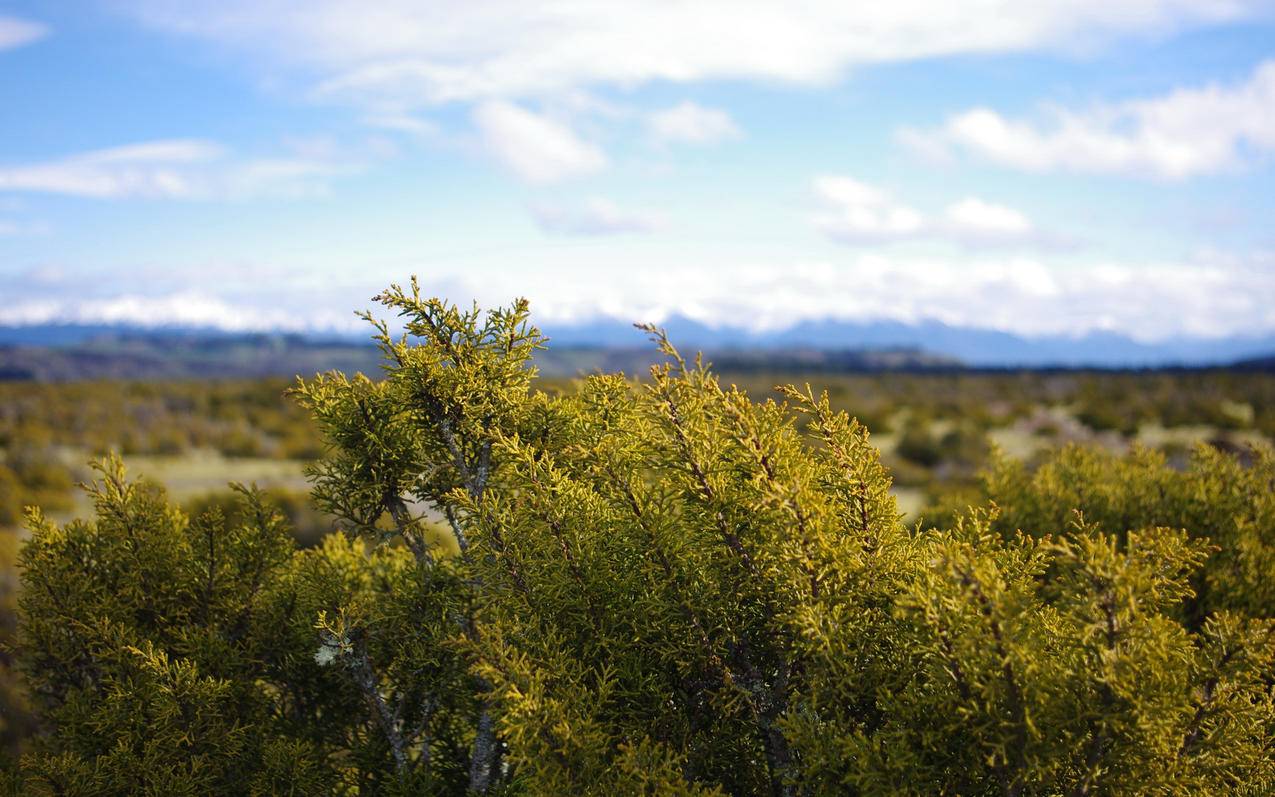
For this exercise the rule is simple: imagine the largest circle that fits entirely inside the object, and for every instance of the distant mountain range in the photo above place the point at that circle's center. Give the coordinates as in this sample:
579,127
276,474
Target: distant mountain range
972,347
62,352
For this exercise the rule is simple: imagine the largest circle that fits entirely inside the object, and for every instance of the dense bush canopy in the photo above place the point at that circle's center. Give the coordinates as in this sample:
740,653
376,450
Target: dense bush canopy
648,588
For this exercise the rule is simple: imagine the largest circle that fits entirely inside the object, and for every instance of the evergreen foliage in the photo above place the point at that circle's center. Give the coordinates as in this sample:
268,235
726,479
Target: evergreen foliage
645,588
1216,498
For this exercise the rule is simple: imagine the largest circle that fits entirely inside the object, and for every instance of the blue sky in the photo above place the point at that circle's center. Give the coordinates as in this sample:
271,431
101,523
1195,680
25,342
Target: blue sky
1045,167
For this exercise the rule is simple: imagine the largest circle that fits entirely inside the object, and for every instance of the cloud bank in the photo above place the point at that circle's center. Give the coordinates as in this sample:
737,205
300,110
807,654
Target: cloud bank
1213,296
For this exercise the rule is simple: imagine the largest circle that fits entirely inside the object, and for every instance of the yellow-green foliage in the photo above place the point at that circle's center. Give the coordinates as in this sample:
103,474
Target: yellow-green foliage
659,588
1215,498
171,656
15,717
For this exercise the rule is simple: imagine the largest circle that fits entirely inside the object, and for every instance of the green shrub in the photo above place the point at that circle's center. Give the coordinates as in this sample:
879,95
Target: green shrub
919,445
661,588
1217,499
172,656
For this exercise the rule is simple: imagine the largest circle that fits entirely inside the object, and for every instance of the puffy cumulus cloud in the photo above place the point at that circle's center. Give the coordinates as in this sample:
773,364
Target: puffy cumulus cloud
596,216
857,213
407,53
1188,132
690,123
536,148
974,219
173,169
16,32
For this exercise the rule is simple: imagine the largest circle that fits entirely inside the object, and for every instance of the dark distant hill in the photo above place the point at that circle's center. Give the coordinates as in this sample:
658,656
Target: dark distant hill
1265,364
182,356
156,355
831,361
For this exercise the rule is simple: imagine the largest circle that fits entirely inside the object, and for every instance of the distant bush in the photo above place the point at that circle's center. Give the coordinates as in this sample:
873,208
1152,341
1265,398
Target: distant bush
1102,417
919,445
10,498
32,477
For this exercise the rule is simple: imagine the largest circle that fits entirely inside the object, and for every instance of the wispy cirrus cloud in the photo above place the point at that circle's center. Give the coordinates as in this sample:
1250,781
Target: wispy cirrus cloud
150,169
174,169
1186,133
535,147
596,216
15,32
13,228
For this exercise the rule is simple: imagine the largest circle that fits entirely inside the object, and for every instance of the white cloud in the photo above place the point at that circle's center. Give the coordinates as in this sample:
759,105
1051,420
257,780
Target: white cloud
596,216
978,219
857,213
16,32
404,123
152,169
534,147
1185,133
404,53
690,123
172,169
